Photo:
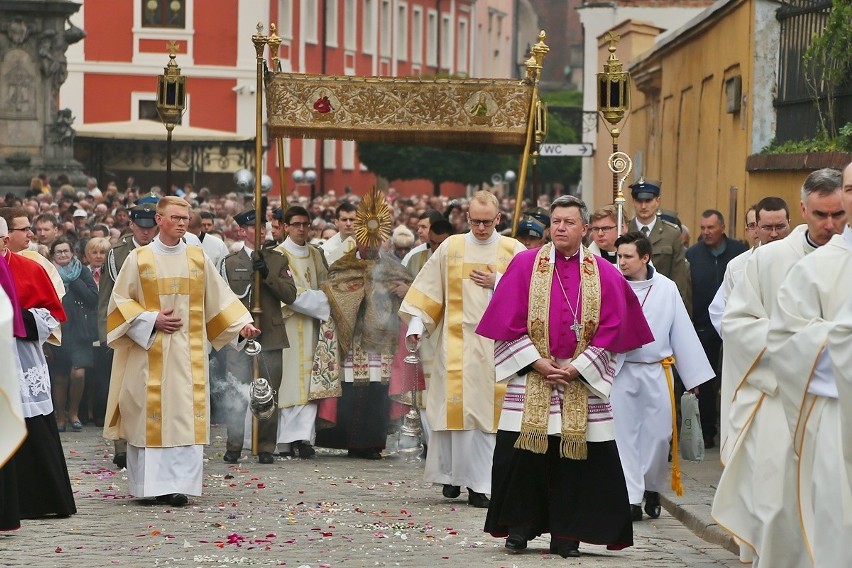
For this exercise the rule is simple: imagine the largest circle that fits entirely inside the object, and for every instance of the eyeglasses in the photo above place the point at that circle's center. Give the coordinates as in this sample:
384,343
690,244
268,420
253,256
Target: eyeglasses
751,225
299,225
773,228
179,219
482,222
601,229
27,229
61,252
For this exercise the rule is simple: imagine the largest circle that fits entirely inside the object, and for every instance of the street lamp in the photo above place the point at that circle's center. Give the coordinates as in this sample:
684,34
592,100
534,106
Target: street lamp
171,102
308,177
613,97
509,177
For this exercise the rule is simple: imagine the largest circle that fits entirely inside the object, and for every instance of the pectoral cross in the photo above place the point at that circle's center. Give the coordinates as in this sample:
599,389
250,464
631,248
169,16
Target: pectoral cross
577,327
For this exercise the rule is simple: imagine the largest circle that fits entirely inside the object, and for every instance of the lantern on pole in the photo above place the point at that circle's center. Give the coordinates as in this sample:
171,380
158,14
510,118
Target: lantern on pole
171,103
613,97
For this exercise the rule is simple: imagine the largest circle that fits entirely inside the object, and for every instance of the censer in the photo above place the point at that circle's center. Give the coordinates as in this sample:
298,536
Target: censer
411,430
261,395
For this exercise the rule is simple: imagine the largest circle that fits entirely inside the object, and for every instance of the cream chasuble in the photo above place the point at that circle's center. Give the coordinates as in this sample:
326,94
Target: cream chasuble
462,393
159,396
808,349
302,321
753,500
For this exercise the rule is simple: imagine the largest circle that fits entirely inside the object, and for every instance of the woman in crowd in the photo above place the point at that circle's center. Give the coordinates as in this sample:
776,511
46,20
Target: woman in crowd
78,332
97,385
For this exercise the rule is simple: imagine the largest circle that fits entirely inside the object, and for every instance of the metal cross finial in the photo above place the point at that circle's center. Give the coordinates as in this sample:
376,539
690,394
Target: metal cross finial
613,39
173,48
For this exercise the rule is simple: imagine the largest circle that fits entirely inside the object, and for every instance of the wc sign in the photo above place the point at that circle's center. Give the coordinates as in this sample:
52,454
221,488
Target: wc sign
584,150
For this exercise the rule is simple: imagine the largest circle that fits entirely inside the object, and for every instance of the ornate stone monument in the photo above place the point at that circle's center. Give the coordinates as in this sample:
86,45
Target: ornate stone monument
36,136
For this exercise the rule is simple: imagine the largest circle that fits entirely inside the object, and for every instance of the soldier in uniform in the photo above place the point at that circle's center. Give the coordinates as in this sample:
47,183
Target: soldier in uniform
141,231
668,255
277,287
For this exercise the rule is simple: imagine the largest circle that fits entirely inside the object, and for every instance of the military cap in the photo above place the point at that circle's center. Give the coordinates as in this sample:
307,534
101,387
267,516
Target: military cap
645,189
531,227
143,215
245,218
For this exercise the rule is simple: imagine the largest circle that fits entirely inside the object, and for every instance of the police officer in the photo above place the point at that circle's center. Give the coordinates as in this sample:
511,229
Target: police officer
668,253
277,287
142,229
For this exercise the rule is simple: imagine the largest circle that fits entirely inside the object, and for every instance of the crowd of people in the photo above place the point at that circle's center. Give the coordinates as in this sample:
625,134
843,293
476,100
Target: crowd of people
552,362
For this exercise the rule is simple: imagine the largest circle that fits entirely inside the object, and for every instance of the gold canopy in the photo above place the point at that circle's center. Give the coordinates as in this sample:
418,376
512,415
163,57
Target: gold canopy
477,114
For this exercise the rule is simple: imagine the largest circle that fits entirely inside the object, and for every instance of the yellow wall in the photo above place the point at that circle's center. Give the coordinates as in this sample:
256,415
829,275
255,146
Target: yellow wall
687,140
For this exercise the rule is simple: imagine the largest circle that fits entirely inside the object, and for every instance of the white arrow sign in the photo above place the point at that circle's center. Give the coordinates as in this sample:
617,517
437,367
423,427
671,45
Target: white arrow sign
566,150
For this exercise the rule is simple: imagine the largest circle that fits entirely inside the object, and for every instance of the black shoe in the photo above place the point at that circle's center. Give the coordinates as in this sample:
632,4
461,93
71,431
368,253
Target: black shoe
709,442
365,453
478,500
231,456
120,460
451,491
264,457
516,543
635,512
652,504
565,548
173,499
305,450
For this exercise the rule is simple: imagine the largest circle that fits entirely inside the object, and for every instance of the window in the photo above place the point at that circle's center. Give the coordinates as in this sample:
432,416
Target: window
309,20
446,42
285,17
385,36
350,19
329,154
432,39
331,23
309,153
402,32
369,28
417,35
148,111
163,14
461,64
348,157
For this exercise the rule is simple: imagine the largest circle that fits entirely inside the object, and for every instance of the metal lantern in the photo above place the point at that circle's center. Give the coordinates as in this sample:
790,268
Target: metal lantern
613,86
171,91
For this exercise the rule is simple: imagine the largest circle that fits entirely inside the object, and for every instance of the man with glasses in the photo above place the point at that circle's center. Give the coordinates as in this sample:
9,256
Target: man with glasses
751,225
302,318
167,304
764,516
19,237
668,252
446,300
603,229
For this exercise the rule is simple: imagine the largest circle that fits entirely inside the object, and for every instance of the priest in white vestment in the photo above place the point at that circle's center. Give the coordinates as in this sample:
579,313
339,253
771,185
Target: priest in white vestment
447,300
643,398
756,496
168,301
343,242
302,318
773,223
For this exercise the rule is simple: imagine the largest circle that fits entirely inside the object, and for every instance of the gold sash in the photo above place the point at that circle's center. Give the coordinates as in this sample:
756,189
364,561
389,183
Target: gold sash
575,406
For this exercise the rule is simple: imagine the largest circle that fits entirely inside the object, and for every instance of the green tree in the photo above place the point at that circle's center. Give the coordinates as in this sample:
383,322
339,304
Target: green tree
403,162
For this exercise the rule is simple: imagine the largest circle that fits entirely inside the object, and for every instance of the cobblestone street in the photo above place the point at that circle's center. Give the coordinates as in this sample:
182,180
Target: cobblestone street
327,512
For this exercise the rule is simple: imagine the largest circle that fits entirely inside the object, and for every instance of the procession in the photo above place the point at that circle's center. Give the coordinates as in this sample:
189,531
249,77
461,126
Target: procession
250,368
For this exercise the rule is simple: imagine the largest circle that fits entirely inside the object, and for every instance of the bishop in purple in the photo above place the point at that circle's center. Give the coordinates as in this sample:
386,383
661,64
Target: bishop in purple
560,320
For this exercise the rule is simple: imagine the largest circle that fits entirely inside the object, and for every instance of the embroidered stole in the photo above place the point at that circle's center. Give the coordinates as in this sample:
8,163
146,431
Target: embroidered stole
575,405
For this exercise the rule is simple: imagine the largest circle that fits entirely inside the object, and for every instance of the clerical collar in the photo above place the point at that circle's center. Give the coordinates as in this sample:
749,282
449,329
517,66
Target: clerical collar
163,248
292,246
554,252
809,242
495,236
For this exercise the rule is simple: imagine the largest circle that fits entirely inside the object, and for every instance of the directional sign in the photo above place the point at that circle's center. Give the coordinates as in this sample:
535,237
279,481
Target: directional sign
585,150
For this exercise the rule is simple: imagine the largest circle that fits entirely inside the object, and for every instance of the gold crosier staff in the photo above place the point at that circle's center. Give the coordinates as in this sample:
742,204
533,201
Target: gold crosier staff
259,40
533,75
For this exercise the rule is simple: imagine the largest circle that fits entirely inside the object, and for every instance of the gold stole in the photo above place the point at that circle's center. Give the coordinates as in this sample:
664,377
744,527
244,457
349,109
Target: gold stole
457,272
575,406
152,287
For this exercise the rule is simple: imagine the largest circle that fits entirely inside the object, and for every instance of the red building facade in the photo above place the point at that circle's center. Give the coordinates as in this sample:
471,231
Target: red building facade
112,73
